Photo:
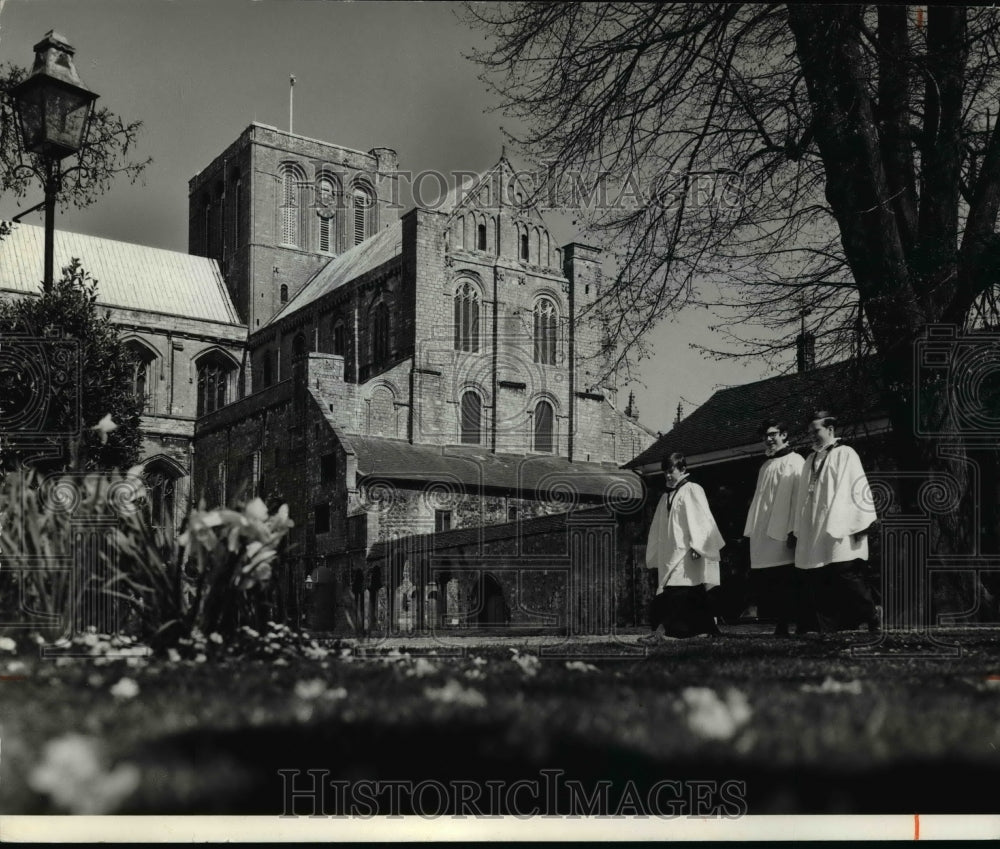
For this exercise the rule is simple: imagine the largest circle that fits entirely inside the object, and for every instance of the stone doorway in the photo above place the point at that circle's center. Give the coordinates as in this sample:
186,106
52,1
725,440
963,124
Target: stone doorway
493,608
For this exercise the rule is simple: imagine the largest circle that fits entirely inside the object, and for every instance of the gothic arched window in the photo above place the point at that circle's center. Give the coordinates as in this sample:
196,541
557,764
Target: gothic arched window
380,334
546,320
543,430
466,317
292,180
472,418
216,376
481,237
160,480
283,293
339,340
328,196
142,360
362,213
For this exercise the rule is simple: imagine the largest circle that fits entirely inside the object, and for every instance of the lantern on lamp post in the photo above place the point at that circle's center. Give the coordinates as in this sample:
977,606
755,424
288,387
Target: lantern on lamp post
53,108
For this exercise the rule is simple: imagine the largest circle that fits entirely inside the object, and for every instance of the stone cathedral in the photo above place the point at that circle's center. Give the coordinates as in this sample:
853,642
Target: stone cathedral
419,388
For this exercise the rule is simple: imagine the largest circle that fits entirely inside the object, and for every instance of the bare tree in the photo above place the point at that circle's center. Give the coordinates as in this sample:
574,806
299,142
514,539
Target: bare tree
863,144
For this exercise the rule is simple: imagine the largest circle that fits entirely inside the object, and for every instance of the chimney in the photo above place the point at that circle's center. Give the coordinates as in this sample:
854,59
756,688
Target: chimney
805,351
680,413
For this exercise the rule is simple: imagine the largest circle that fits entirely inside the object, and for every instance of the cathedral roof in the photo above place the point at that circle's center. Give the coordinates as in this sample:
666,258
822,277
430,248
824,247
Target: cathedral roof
371,253
128,276
470,468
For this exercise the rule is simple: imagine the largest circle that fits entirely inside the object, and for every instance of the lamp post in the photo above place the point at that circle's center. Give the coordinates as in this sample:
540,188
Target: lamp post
53,107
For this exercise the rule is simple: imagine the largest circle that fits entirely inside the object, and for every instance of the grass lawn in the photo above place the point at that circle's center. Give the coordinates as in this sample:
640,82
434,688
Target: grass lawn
799,725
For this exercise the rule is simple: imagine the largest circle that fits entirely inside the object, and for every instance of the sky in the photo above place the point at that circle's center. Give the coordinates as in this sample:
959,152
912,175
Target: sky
371,74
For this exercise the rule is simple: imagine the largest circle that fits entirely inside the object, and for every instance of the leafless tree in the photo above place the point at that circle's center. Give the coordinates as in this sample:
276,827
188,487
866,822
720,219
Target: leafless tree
863,141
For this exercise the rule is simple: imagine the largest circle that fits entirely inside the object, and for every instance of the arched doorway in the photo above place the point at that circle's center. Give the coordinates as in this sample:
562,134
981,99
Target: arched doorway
162,475
492,610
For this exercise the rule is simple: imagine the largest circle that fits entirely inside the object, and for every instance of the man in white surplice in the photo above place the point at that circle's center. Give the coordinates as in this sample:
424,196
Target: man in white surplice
684,547
770,523
833,517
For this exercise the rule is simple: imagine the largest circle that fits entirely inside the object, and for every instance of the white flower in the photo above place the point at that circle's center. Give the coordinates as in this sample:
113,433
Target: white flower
215,638
72,773
310,689
104,427
829,685
200,658
315,652
7,644
336,693
421,668
126,688
580,666
15,666
528,662
710,717
478,661
280,661
455,693
173,655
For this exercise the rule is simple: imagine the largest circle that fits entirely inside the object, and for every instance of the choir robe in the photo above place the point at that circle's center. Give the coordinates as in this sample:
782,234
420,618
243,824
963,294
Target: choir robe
834,502
771,517
683,522
679,528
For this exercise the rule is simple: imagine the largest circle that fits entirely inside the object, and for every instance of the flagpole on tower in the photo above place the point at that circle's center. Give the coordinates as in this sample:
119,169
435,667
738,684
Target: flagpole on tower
291,100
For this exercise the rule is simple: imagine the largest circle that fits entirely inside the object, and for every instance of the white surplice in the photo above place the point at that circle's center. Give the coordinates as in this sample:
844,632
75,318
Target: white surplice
834,502
772,512
677,530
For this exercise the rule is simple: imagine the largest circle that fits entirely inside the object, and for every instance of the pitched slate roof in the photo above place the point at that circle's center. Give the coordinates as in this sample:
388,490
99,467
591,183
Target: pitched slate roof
129,276
732,416
351,264
469,468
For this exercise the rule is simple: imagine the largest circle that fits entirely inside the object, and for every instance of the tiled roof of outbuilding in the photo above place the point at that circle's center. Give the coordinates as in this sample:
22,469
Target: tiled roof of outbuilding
732,416
129,276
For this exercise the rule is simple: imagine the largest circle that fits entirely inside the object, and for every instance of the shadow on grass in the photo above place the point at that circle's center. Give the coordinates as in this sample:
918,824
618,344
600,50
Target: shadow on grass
237,772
